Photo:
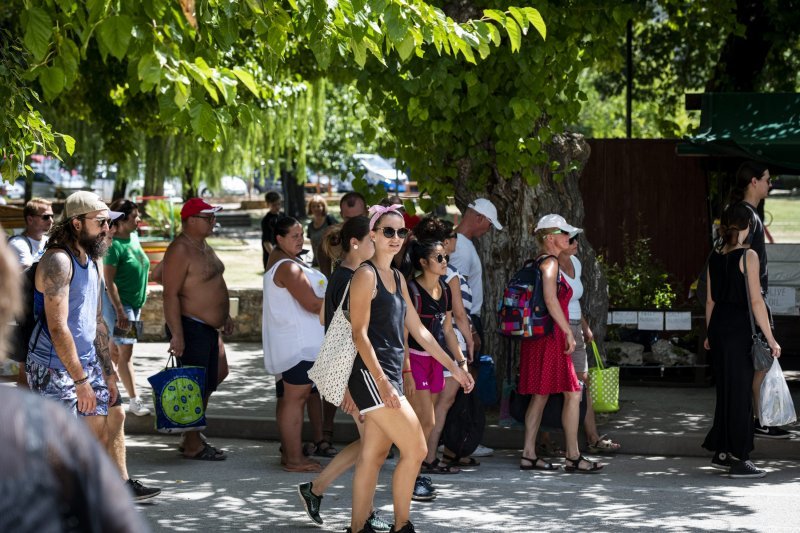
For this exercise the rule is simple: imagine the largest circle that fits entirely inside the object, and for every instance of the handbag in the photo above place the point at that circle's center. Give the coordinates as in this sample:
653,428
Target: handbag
178,393
331,371
760,350
604,387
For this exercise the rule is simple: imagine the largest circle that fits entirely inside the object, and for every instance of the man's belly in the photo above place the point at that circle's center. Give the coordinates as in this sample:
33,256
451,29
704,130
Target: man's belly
209,304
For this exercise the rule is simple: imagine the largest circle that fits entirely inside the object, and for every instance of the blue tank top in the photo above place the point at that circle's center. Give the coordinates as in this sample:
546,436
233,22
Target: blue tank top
81,320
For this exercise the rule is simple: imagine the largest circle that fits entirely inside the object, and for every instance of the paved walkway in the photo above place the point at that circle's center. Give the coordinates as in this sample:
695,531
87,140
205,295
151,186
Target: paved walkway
651,420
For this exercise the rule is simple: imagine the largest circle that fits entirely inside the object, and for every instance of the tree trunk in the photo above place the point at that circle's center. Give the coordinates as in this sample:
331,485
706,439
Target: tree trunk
519,207
294,196
120,183
155,157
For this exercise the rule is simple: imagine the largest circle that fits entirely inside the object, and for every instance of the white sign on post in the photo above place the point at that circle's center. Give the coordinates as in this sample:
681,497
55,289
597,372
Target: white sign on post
651,320
782,300
678,320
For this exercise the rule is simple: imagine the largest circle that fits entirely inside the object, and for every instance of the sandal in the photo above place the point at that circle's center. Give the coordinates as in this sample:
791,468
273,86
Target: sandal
208,453
460,461
439,467
304,468
574,465
537,464
603,445
325,449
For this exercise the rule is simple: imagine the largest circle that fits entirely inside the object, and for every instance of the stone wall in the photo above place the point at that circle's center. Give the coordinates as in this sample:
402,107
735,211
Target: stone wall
248,319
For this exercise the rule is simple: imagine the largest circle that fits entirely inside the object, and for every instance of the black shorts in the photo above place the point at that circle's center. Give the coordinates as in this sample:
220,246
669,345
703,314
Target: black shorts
364,390
297,375
200,348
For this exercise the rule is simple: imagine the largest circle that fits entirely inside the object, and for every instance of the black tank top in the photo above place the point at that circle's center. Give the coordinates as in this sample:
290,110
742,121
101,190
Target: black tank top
386,323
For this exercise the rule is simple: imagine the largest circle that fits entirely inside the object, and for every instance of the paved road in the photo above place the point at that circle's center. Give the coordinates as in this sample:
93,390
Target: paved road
249,492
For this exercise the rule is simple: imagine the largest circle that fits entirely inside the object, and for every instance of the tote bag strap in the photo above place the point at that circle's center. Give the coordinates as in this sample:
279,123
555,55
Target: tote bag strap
747,291
344,296
597,359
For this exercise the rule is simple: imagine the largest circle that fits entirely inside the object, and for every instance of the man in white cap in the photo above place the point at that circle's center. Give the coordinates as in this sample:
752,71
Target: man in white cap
196,307
480,215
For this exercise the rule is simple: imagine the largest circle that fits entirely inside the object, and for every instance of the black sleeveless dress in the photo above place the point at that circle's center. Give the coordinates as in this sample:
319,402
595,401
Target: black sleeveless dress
385,332
730,340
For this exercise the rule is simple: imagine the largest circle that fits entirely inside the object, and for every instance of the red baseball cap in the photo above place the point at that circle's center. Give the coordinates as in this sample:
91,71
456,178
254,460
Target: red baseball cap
198,206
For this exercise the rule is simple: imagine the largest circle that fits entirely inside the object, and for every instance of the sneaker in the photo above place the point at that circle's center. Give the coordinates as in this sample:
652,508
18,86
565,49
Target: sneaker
770,432
745,469
422,493
140,492
482,451
428,482
311,502
137,407
377,523
408,528
721,461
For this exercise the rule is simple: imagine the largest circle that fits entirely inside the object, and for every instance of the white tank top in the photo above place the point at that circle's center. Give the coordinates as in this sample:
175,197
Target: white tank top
577,289
289,333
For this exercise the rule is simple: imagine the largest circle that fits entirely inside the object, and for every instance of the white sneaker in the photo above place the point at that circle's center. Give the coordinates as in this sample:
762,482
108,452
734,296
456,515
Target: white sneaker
482,451
137,407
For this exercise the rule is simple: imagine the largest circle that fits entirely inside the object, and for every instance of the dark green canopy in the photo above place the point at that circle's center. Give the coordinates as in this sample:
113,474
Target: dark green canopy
760,126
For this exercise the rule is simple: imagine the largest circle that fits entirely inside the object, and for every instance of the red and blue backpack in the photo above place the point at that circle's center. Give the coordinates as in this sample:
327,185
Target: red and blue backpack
522,311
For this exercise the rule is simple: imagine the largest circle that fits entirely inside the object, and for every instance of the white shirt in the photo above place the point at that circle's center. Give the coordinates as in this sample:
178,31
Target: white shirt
465,259
290,334
28,250
577,289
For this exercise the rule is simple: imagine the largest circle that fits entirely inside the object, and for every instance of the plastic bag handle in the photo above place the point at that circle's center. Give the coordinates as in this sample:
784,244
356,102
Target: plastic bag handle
172,359
597,358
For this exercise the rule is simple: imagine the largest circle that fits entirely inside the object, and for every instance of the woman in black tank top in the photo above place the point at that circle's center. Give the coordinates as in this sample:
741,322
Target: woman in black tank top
380,309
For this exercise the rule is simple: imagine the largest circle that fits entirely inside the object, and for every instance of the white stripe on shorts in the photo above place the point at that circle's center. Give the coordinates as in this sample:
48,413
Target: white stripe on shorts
372,387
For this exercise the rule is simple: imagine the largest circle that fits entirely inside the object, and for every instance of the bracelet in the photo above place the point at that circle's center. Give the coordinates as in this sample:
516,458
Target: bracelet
406,371
382,377
81,381
461,363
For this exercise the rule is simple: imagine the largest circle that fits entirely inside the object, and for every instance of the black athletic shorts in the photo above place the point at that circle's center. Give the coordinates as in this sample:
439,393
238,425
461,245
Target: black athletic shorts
364,390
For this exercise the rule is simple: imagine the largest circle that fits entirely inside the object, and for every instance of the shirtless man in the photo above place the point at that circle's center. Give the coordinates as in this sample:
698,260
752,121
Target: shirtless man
196,306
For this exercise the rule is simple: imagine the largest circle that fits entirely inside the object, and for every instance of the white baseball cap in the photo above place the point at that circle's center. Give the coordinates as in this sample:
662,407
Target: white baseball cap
557,221
487,209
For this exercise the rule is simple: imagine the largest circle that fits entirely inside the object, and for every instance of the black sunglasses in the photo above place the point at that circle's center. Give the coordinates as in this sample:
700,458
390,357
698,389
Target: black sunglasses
572,240
389,233
45,217
442,258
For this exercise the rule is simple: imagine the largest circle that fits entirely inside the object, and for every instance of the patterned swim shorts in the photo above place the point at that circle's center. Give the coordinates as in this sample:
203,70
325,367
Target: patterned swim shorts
58,385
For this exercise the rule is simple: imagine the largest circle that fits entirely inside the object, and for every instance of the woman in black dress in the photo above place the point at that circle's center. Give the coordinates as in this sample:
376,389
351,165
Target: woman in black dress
729,339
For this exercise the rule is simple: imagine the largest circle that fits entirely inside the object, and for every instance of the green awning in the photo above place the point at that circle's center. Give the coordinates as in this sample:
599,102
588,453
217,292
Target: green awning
760,126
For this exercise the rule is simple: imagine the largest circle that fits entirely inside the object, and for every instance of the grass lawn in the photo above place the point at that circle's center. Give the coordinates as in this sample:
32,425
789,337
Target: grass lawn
784,212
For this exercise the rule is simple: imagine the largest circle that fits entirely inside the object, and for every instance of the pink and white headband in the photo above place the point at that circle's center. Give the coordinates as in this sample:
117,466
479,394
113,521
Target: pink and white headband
377,211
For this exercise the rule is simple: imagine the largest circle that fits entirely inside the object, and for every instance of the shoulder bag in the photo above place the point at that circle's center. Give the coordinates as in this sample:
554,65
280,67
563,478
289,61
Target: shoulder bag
331,371
761,352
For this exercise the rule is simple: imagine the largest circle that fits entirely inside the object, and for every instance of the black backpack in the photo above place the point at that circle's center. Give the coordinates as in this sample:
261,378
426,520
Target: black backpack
437,321
26,321
463,428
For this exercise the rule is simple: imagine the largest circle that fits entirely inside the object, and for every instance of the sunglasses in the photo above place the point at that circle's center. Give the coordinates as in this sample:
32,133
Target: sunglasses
442,258
389,233
45,217
572,240
100,221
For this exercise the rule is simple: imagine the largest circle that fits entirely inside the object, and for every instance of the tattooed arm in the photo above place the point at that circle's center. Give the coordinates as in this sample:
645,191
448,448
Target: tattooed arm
52,280
101,347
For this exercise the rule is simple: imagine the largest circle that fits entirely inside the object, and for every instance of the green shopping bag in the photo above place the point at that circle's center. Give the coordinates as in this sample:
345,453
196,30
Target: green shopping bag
604,386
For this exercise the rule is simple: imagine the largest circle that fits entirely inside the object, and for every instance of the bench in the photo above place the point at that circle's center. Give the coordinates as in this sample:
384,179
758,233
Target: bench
11,217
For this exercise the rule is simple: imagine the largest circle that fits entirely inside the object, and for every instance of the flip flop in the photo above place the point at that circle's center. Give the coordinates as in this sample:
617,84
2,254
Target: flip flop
537,463
208,453
305,468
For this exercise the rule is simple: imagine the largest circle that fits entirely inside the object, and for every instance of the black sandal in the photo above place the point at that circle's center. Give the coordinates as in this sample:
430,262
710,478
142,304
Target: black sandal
537,463
325,449
460,461
574,465
439,467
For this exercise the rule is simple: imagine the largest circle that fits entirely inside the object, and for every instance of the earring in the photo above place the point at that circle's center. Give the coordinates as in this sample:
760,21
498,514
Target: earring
355,247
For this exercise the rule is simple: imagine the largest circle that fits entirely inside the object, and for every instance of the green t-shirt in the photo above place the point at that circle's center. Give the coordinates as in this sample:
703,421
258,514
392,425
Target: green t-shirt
132,268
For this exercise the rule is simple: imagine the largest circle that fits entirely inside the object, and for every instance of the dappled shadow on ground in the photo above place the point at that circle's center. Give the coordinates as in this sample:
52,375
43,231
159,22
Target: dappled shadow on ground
249,492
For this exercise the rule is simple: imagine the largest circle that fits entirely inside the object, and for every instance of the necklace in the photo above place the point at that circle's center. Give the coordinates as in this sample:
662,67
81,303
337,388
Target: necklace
201,247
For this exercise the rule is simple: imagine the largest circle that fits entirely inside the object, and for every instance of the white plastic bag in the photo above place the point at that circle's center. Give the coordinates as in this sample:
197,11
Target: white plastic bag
777,408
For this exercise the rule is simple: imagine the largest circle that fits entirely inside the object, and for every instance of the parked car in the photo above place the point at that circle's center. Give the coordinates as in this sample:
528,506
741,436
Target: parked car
228,186
785,182
172,189
378,172
49,186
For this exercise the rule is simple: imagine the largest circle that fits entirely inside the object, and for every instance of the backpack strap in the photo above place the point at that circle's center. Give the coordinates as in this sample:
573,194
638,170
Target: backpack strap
444,293
415,295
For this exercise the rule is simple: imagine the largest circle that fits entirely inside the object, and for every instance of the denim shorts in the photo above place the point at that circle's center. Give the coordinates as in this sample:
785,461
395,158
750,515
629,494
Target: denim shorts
58,385
110,318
